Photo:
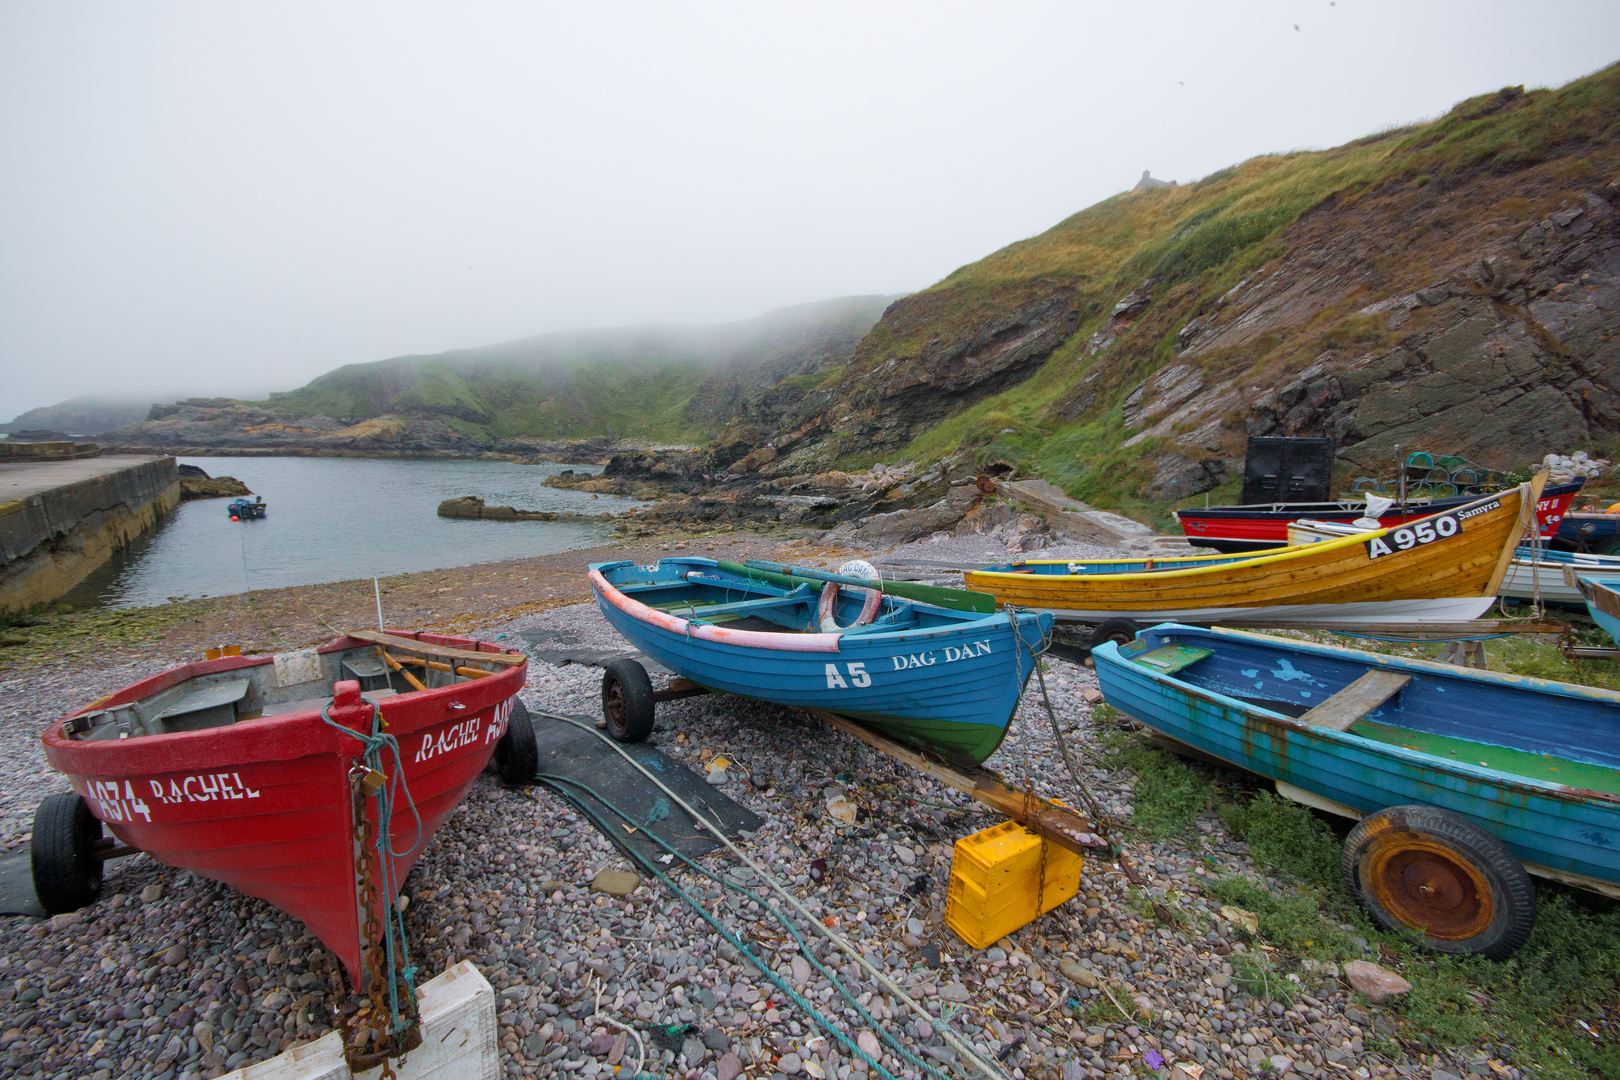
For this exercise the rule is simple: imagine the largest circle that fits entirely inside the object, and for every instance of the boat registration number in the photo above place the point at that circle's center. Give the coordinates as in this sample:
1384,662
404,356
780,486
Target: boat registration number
1414,535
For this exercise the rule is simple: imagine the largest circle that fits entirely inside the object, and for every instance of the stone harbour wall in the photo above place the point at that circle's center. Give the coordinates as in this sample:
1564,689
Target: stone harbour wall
52,539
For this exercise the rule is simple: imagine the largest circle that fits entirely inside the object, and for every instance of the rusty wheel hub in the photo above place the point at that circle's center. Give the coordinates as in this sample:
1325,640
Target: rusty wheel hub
1429,887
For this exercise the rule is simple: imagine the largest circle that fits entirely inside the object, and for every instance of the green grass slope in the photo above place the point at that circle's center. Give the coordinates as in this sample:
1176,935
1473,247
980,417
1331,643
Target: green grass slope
1200,239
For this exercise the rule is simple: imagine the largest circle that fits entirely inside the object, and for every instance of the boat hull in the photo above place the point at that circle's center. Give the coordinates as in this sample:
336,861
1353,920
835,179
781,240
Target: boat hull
1567,831
949,690
265,805
1601,595
1440,569
1236,529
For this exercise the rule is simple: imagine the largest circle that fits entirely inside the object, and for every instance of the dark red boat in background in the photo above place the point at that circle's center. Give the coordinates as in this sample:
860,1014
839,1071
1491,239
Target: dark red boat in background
227,769
1255,527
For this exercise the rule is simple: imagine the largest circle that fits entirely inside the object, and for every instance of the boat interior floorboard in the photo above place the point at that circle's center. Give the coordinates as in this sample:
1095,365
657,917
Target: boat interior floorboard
1545,767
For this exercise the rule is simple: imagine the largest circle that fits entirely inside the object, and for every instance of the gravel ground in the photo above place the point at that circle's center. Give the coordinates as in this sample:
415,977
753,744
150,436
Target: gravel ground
172,975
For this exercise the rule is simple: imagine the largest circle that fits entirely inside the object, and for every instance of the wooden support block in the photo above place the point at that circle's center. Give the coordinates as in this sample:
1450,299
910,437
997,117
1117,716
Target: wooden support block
458,1039
1356,700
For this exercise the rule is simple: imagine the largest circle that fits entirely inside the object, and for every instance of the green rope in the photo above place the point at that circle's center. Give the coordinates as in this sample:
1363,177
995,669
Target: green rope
375,744
738,944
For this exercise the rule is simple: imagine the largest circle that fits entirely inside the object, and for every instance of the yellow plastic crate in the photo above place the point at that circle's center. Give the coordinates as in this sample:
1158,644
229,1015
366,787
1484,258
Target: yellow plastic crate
996,882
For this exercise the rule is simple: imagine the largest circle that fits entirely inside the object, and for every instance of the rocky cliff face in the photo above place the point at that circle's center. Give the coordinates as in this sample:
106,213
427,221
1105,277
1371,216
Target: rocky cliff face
1509,352
924,362
1453,286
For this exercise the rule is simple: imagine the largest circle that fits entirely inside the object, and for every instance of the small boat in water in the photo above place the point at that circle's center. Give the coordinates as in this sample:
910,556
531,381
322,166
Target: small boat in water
1463,780
227,768
1444,568
926,675
245,509
1234,529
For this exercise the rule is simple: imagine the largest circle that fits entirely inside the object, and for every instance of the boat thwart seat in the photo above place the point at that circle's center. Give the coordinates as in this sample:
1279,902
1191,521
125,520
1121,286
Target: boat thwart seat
1356,700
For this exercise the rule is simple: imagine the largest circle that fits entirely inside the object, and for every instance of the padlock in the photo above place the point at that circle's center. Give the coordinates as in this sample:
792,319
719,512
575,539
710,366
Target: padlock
371,783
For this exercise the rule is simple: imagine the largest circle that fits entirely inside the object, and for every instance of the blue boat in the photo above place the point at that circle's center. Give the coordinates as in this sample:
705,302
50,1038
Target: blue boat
929,676
1463,780
1602,596
246,510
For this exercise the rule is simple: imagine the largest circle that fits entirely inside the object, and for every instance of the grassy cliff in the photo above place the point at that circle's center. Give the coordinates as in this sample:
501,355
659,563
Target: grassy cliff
1157,278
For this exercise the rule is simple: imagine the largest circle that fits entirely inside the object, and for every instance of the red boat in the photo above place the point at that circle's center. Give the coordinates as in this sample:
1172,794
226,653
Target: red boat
1234,529
226,768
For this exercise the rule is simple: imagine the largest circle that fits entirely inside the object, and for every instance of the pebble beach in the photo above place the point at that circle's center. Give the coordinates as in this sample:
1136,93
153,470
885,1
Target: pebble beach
170,975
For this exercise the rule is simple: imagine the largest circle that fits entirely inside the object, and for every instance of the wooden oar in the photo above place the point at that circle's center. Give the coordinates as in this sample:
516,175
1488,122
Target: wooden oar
470,672
1058,824
956,599
411,645
395,665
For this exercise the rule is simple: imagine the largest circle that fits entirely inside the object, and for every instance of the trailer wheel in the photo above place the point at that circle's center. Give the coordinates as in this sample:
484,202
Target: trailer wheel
1435,874
627,701
67,876
516,755
1119,631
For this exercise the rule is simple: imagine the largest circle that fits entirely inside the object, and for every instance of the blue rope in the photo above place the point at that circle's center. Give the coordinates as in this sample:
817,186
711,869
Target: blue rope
739,945
394,922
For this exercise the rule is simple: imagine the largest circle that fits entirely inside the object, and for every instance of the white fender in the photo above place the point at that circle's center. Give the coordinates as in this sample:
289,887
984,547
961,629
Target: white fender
828,622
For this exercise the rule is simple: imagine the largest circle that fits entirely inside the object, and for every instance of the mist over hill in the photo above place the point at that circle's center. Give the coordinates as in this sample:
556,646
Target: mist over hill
660,382
87,414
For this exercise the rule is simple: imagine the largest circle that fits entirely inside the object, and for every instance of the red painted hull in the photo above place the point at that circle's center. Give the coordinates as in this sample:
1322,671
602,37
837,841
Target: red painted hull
1253,528
265,805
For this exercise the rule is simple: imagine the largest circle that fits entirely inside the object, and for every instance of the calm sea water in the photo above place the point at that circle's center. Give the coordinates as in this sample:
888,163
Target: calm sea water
334,519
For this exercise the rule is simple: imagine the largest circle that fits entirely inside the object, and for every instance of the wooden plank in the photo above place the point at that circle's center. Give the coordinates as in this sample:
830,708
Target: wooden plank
458,1039
405,644
1169,659
1529,495
1057,823
1356,700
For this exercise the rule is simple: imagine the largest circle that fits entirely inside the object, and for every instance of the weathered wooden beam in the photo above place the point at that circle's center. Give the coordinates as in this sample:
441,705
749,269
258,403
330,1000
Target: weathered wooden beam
1056,823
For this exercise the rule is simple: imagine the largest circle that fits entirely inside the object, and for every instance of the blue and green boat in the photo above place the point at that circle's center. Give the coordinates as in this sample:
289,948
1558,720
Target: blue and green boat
1463,781
931,676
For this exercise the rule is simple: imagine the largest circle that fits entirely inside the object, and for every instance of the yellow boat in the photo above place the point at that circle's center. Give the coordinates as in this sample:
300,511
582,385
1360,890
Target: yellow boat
1440,569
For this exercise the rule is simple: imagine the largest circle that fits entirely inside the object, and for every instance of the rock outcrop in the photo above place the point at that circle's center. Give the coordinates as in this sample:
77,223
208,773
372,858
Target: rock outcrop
471,506
197,484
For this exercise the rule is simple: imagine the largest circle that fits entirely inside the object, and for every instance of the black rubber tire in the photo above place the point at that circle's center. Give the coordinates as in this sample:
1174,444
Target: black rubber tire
1432,862
1117,630
627,701
66,877
517,757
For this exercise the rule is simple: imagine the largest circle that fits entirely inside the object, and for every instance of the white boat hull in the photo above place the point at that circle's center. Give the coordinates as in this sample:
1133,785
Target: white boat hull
1306,616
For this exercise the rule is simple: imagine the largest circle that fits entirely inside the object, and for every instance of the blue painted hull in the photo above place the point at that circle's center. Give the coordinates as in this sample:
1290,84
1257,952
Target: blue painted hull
1602,595
950,685
1568,830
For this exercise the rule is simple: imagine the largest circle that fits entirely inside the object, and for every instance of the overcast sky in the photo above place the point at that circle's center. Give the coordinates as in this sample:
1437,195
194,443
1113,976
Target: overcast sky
232,198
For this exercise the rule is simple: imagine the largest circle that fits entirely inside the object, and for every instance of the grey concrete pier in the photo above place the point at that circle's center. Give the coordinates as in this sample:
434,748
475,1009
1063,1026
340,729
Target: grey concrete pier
60,519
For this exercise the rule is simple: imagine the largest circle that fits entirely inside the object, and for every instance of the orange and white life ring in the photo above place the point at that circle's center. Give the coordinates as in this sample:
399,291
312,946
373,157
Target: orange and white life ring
827,621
